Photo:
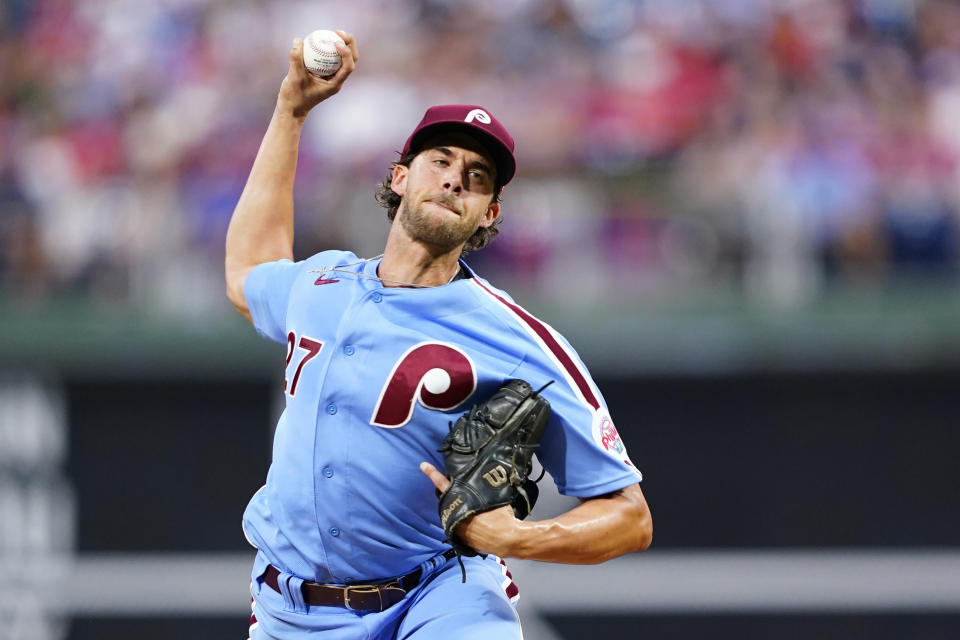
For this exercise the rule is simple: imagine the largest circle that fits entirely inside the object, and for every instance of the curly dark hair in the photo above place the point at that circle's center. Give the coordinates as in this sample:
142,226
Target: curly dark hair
389,200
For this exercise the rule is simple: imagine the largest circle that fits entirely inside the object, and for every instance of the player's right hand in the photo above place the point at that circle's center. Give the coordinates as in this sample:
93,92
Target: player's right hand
301,90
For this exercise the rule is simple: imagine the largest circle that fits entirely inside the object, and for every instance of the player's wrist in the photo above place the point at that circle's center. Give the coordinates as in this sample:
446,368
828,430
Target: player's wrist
508,539
294,101
289,115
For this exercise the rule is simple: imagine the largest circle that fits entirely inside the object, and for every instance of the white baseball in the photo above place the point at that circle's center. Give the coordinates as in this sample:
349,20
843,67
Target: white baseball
320,55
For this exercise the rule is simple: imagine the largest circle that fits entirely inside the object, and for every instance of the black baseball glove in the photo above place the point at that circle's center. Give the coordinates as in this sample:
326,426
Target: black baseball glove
488,455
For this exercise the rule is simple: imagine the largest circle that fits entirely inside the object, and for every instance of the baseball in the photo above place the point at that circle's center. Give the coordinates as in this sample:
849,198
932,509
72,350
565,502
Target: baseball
320,55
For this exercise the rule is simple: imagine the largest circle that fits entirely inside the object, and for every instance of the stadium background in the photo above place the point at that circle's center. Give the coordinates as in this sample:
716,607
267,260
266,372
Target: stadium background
743,213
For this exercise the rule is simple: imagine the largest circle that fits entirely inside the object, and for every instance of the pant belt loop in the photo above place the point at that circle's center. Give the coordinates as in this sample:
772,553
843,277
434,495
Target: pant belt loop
292,593
427,566
430,564
296,592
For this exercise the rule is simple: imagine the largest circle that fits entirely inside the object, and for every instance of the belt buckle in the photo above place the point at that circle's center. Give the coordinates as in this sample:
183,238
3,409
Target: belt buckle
358,590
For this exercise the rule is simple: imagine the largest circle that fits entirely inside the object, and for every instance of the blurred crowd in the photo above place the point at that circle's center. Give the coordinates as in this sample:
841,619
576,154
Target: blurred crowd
666,147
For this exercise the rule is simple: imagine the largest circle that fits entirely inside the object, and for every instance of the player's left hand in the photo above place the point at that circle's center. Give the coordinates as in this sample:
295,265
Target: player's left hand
493,531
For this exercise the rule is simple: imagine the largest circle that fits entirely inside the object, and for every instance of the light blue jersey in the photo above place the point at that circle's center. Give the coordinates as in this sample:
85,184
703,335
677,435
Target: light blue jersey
374,376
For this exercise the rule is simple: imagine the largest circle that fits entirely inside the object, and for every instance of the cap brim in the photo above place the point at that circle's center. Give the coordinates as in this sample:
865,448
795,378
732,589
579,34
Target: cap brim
502,157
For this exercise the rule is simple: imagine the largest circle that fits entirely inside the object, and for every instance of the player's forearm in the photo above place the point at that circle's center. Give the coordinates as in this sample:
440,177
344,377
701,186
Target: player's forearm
261,229
595,531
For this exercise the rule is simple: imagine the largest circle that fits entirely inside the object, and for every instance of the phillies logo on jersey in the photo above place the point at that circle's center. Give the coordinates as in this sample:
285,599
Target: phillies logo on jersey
438,375
609,437
605,434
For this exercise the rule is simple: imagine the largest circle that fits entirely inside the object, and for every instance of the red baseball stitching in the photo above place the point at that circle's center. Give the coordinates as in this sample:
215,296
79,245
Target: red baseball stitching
313,45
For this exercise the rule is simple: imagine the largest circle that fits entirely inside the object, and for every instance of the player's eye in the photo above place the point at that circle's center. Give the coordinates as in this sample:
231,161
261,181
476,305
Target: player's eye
481,176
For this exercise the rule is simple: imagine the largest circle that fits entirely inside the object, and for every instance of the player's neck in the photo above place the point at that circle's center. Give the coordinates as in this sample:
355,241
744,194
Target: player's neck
411,263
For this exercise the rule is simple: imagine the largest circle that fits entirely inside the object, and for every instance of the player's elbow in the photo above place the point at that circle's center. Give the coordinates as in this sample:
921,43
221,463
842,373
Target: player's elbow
644,532
235,280
634,534
239,302
640,518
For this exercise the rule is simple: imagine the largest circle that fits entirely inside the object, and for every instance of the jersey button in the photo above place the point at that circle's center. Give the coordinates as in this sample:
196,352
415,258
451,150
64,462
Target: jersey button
335,532
328,472
349,350
377,297
331,408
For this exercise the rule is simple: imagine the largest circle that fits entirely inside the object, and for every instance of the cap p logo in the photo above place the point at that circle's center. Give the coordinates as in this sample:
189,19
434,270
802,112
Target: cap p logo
479,115
494,138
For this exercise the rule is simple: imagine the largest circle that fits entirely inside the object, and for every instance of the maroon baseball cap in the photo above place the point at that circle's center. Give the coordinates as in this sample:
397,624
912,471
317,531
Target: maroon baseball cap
475,121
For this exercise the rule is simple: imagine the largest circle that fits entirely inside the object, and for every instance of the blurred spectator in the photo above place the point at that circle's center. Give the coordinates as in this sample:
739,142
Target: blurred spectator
664,146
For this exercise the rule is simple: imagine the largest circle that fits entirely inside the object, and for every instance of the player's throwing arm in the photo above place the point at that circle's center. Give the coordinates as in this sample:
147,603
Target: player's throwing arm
261,229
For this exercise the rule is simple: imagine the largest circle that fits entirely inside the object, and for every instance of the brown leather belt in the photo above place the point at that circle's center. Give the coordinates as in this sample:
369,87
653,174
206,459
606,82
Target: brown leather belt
358,597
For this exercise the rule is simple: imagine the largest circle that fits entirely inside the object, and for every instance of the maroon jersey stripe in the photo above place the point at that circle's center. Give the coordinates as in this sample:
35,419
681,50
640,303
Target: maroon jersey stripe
555,347
511,589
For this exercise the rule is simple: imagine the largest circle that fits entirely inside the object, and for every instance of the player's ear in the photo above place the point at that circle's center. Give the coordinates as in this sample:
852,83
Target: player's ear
493,212
399,182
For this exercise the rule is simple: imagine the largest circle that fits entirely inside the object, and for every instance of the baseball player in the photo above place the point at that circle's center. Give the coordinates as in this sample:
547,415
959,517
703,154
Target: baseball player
382,354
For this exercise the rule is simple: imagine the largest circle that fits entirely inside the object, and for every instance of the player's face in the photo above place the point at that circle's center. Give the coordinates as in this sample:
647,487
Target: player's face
447,192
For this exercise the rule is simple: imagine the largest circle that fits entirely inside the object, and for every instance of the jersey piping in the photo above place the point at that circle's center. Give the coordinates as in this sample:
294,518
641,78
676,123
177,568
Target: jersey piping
543,336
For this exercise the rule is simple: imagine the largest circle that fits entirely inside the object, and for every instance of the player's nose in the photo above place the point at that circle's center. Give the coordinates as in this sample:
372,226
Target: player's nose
454,176
453,179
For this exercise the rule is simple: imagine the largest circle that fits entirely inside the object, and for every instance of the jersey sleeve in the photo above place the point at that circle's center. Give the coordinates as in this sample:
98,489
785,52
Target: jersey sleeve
581,448
267,292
